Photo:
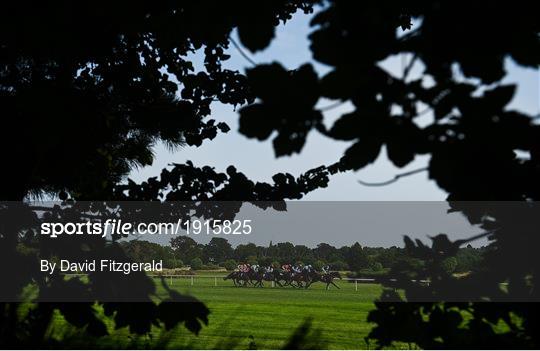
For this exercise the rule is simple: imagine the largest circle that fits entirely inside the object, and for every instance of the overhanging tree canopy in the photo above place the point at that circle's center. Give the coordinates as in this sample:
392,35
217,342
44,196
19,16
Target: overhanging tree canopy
87,89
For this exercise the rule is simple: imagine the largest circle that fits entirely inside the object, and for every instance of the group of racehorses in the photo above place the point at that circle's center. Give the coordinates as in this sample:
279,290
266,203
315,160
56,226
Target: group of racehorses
282,278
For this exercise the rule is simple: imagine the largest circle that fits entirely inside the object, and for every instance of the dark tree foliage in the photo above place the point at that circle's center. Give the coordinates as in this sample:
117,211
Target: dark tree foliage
92,87
472,143
217,250
361,260
185,248
87,89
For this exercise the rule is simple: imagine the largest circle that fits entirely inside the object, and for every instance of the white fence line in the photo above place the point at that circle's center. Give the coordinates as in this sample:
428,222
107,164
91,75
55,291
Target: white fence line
192,276
215,277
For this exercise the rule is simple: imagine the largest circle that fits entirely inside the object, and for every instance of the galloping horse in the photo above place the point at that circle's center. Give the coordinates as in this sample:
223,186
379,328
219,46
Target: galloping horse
327,278
256,278
297,280
238,278
234,276
273,276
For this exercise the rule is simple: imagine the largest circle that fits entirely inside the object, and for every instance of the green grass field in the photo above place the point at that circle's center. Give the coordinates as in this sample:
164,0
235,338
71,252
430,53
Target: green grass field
268,316
250,318
262,318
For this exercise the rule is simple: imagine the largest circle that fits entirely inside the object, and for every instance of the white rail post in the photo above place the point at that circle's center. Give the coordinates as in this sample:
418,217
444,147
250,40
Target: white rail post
191,280
273,284
356,284
215,281
171,279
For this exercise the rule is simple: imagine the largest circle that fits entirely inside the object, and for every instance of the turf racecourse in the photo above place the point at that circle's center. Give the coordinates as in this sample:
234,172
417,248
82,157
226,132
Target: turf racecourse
248,317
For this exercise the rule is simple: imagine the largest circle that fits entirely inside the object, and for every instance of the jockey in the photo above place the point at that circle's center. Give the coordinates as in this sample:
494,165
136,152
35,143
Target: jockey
269,269
255,267
325,269
286,267
297,269
306,271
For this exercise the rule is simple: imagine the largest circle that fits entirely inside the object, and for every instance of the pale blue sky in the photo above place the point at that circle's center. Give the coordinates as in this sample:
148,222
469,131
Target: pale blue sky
256,159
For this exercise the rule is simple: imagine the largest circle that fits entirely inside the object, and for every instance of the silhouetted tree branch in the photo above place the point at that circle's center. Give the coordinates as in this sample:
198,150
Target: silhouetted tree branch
242,52
395,179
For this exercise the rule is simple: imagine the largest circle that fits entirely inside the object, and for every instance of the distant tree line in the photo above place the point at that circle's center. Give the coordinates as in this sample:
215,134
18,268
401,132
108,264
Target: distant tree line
219,253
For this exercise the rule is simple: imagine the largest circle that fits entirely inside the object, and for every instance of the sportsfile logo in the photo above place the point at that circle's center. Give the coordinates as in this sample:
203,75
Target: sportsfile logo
120,227
110,226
